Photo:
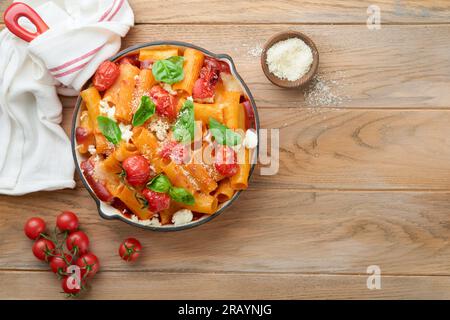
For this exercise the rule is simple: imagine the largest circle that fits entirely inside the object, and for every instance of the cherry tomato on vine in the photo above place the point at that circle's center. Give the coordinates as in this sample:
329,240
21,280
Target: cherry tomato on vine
34,227
71,285
67,221
77,242
43,249
58,264
130,249
89,265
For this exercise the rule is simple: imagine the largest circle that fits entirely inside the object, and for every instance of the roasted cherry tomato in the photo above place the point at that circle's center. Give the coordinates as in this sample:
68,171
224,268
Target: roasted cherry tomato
166,104
87,166
43,249
67,221
82,135
77,242
215,64
130,249
203,91
177,152
226,161
34,227
107,73
71,285
157,201
59,264
130,59
137,169
89,265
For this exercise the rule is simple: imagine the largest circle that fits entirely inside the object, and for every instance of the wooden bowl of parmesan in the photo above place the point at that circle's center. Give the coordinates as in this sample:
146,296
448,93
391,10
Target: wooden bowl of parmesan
290,59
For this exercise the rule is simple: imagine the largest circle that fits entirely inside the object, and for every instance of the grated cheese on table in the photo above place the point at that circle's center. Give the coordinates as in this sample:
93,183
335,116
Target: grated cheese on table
289,59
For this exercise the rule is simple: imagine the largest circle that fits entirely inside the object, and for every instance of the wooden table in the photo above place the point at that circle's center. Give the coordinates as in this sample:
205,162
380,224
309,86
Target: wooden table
364,176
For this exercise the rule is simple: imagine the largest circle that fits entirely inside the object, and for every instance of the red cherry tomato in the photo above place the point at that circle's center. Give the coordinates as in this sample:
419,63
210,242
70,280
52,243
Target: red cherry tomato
130,59
99,188
77,242
58,264
203,90
157,201
71,285
34,227
67,221
166,104
107,73
89,265
226,161
130,249
177,152
137,169
43,249
215,64
81,135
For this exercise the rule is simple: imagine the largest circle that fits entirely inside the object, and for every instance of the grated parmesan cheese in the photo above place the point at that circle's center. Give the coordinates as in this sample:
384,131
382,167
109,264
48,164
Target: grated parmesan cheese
160,128
290,59
106,110
181,217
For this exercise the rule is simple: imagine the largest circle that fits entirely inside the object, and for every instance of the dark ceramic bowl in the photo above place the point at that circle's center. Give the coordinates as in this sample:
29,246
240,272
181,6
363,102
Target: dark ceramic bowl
105,210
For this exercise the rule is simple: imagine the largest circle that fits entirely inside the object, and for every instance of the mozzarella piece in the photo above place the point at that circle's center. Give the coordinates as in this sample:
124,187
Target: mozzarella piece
126,132
182,217
251,139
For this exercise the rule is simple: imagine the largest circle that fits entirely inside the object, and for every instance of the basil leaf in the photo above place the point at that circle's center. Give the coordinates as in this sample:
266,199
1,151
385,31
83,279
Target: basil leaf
160,183
183,129
169,70
181,195
144,112
222,134
109,129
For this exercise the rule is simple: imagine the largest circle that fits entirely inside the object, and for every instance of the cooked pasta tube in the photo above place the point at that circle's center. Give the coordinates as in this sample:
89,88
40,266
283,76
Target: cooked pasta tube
224,191
240,180
193,62
157,54
204,203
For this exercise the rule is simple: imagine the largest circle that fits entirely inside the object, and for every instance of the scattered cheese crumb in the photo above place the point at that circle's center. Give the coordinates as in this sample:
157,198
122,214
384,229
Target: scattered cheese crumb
290,59
125,129
190,98
182,217
251,139
168,88
154,221
160,128
107,110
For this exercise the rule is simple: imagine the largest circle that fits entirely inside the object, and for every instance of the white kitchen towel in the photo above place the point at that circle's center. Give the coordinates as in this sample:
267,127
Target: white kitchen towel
35,153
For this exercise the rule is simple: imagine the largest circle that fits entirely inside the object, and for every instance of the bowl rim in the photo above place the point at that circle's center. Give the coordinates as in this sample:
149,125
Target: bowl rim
120,216
284,83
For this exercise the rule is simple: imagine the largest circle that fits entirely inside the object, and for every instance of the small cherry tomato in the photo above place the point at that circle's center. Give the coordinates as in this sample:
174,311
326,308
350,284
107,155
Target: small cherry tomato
166,104
157,201
43,249
226,161
137,169
89,265
67,221
34,227
130,249
177,152
88,167
81,135
77,242
130,59
58,264
203,91
107,73
71,285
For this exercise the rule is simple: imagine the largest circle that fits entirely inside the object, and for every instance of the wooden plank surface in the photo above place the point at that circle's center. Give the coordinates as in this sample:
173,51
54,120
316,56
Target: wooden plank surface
395,67
265,231
185,285
281,11
363,177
